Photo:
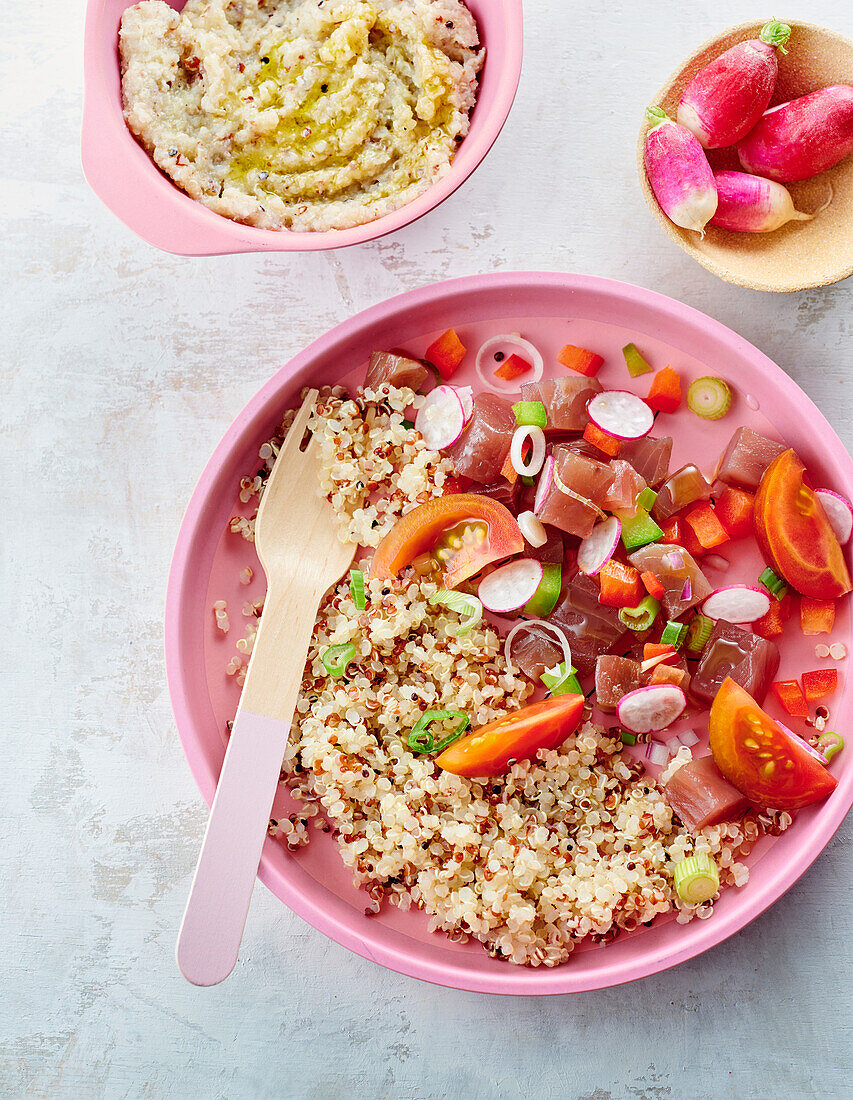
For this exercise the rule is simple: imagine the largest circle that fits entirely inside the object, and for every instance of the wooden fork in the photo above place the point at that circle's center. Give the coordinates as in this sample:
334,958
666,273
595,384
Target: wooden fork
302,557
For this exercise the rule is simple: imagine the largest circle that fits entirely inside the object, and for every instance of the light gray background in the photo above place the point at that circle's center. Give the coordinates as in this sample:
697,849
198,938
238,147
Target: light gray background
122,367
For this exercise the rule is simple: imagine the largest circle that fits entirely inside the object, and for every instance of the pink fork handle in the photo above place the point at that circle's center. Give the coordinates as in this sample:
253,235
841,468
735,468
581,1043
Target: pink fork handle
215,916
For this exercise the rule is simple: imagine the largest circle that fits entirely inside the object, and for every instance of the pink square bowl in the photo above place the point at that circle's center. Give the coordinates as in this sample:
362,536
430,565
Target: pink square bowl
126,179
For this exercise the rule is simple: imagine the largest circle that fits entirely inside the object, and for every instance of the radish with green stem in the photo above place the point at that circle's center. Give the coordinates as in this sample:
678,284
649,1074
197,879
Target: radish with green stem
751,204
679,173
723,102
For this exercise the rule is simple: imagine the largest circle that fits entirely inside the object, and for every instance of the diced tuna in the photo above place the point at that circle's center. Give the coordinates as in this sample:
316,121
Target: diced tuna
649,457
396,370
534,651
552,550
586,476
701,796
507,493
685,486
751,661
747,457
590,628
674,568
614,677
579,484
565,400
482,449
627,485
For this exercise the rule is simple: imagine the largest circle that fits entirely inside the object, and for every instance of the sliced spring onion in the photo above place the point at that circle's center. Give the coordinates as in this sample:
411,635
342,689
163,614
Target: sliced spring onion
544,599
356,587
337,658
647,498
830,744
642,616
421,739
773,583
537,450
532,528
530,412
709,398
532,624
526,479
635,363
639,530
627,738
698,633
408,425
561,680
696,878
468,606
674,634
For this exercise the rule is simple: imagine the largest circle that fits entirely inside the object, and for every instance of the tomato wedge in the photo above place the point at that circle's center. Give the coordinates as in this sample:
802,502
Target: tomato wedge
463,533
796,537
517,736
760,757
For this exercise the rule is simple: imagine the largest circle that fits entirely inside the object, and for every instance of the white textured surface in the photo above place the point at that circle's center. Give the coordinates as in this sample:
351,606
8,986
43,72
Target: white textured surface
121,369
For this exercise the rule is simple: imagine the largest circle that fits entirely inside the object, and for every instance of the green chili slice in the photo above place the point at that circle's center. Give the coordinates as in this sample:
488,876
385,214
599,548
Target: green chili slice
773,583
336,659
421,739
356,587
674,634
642,616
562,680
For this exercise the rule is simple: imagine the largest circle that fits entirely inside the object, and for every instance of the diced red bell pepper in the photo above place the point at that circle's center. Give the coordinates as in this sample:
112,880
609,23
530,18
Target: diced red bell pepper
733,508
580,360
653,585
446,353
667,653
665,391
666,674
512,367
816,616
509,471
620,585
677,533
819,683
790,695
606,443
709,532
772,624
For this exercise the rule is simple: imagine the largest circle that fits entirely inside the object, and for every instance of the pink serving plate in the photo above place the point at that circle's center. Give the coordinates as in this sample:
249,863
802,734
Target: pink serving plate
126,179
551,310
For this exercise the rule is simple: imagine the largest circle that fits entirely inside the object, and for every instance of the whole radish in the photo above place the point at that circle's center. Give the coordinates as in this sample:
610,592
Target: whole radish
750,204
801,138
679,173
723,102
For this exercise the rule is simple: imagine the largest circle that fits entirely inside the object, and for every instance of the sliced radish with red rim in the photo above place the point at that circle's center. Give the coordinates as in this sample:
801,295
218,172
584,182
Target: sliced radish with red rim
466,396
651,708
839,512
737,603
441,418
543,486
621,414
596,550
510,586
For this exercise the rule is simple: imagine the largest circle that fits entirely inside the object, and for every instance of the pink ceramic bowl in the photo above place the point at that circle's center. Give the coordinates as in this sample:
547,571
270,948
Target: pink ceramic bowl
122,174
553,310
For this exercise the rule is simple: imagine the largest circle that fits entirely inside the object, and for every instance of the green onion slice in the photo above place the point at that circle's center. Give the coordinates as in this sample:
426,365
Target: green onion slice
408,425
647,498
356,587
709,398
530,412
635,363
627,737
696,878
421,739
463,604
642,616
674,634
561,680
773,583
544,599
336,659
698,633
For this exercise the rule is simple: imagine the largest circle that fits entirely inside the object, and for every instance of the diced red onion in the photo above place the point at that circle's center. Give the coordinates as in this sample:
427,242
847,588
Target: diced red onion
657,754
687,590
674,559
689,738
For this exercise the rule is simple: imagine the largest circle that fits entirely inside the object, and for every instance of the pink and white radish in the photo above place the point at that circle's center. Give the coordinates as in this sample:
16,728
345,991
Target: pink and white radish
737,603
652,708
621,414
596,550
441,418
801,138
679,173
533,464
752,204
543,485
532,528
510,586
839,512
723,102
466,396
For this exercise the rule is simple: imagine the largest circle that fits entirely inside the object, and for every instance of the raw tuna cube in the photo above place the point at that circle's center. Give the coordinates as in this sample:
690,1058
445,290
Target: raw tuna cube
551,551
701,796
684,487
649,457
396,370
585,476
507,493
534,651
732,651
583,593
579,484
571,514
747,457
627,485
673,567
565,400
481,450
614,677
590,628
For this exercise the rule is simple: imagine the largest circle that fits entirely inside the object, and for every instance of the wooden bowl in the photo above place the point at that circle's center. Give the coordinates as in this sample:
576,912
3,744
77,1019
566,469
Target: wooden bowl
800,255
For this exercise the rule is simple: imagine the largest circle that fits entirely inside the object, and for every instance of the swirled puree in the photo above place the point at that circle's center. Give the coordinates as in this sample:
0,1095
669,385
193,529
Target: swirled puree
300,114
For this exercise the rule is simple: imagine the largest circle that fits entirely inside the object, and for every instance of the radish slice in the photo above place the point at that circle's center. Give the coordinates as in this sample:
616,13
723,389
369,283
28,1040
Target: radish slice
537,453
516,342
651,708
466,396
657,754
596,550
737,603
621,414
839,512
543,487
533,529
542,625
510,586
440,419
